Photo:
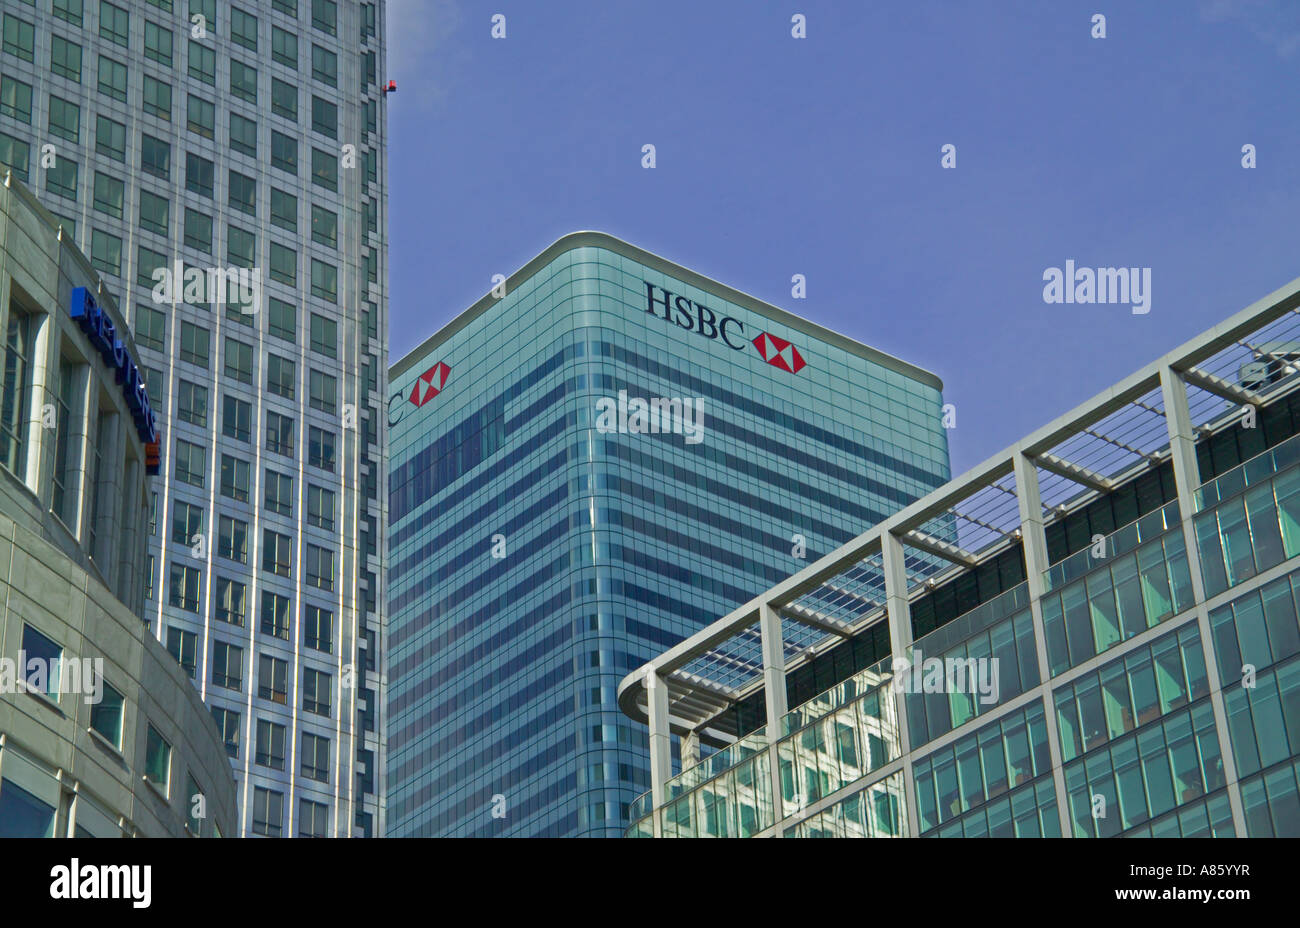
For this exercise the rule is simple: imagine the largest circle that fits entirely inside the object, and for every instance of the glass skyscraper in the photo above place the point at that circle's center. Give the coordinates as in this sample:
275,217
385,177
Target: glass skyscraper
587,467
222,164
1112,650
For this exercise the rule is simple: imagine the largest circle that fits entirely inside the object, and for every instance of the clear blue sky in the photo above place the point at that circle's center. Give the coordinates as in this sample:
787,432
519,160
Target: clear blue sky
821,156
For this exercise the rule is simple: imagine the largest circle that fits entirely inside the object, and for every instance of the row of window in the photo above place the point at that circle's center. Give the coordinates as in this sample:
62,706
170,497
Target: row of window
268,815
191,459
270,742
277,554
227,668
282,322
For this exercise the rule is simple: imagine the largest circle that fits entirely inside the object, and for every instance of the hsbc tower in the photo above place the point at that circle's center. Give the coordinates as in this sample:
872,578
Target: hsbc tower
535,560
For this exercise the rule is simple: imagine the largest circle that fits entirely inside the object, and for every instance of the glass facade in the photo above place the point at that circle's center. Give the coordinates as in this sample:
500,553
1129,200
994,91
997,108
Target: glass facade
1149,674
545,541
168,158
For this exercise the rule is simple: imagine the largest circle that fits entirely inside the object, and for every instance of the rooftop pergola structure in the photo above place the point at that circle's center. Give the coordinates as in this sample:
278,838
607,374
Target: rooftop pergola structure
1153,416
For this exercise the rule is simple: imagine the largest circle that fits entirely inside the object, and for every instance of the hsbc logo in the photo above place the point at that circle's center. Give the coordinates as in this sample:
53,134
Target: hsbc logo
426,387
779,353
698,318
429,384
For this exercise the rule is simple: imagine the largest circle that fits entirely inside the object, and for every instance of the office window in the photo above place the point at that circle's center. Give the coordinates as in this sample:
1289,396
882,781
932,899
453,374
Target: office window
202,63
324,335
227,666
228,724
201,116
208,10
65,119
112,78
279,434
324,117
106,716
284,210
281,374
187,523
198,230
148,576
282,320
235,477
320,506
241,247
155,156
236,418
279,493
284,153
19,38
231,597
69,11
320,567
284,99
315,757
114,23
183,646
154,212
239,360
273,679
270,744
157,760
198,174
324,392
153,379
232,539
106,252
195,344
320,449
44,674
191,462
17,387
243,29
66,482
324,16
275,615
243,81
287,7
318,628
157,96
313,819
243,193
158,44
192,403
268,812
324,280
316,691
277,553
150,328
324,226
62,180
284,47
147,263
284,264
324,169
243,135
109,194
16,154
324,66
15,99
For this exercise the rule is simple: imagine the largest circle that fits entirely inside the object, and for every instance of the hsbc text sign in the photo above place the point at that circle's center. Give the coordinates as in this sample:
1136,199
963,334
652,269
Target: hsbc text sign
660,303
698,318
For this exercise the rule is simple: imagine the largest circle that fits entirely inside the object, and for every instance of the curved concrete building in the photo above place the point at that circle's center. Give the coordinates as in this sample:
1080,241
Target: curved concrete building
101,732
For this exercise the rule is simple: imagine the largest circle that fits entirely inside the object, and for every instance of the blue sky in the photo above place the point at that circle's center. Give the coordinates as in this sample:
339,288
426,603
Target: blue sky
821,156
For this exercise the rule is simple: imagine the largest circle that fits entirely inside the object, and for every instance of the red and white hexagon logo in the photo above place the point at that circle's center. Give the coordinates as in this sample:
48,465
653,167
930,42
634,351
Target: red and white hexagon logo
429,384
779,353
